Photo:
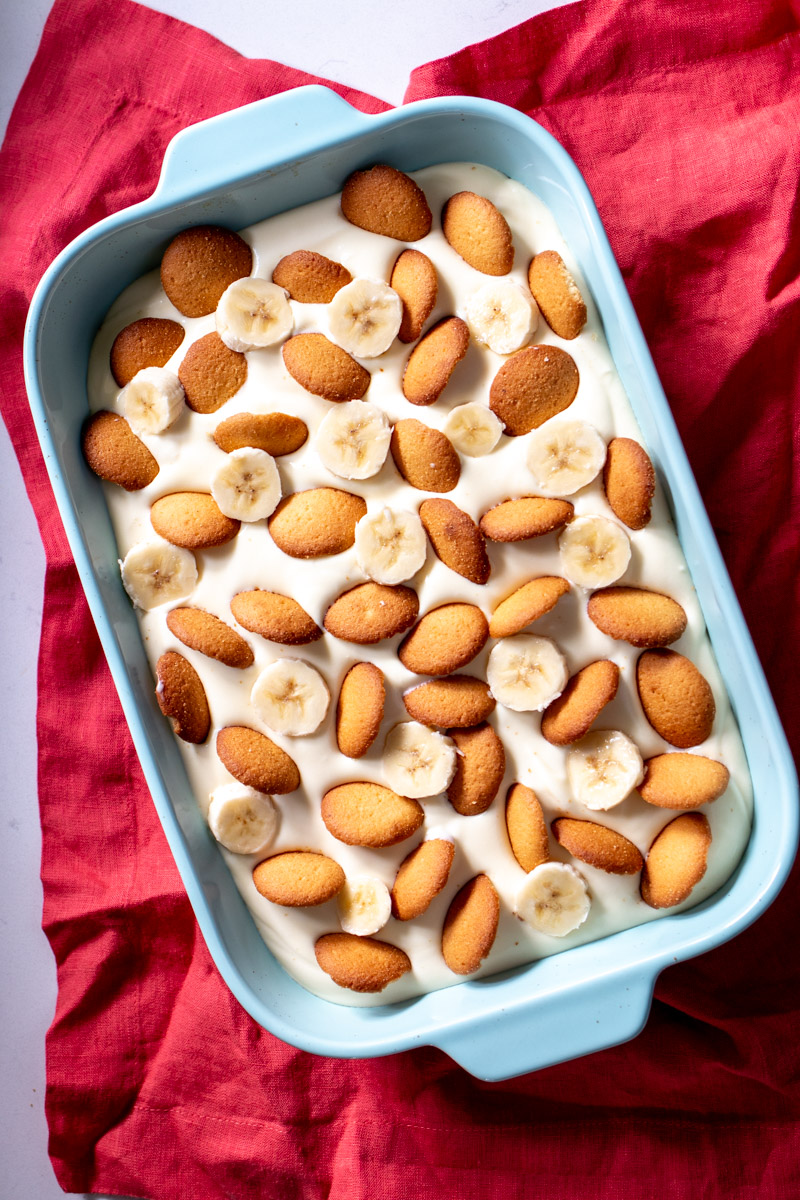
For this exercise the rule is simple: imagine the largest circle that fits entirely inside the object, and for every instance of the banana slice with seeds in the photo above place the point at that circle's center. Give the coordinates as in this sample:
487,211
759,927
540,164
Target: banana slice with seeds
153,400
564,456
247,487
364,317
502,315
253,313
595,552
603,768
526,673
290,697
353,440
553,899
242,820
364,905
418,762
390,546
473,429
157,572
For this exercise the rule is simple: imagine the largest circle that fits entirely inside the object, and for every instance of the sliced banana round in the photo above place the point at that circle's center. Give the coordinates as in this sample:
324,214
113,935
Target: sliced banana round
390,545
364,317
416,761
364,905
242,820
247,487
526,673
353,439
563,456
290,697
253,313
553,899
153,400
473,429
502,315
157,572
595,552
603,768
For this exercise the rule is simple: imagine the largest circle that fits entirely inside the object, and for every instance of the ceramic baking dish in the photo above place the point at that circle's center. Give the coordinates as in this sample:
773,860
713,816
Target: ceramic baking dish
240,168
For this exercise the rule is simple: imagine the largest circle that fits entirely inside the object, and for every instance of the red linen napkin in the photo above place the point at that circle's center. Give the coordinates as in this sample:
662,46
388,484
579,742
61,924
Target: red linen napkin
684,119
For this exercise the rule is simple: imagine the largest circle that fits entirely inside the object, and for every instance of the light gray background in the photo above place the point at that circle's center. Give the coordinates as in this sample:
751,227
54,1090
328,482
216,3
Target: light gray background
374,48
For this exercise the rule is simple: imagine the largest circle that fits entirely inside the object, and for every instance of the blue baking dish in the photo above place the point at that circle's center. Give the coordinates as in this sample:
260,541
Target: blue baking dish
239,168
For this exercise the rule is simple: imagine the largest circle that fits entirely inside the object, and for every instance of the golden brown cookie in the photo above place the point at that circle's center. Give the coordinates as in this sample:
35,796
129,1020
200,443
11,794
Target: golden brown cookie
456,539
192,520
298,878
275,617
676,698
276,433
598,846
470,926
683,780
527,604
460,700
480,766
324,369
676,861
149,342
629,481
557,294
310,278
479,233
570,716
362,964
114,452
204,632
414,280
256,761
420,877
526,517
317,522
446,639
360,709
635,615
425,457
527,831
371,612
384,200
532,386
433,361
211,373
182,697
199,264
369,814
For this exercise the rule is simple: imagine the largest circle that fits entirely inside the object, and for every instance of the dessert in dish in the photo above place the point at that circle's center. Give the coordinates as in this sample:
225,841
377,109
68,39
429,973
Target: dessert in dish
409,587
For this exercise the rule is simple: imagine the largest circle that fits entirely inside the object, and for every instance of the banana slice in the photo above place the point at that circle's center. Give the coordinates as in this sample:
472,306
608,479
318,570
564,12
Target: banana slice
153,400
364,905
603,768
247,487
353,440
253,313
242,820
290,697
390,546
563,456
473,429
526,673
553,899
416,761
594,552
364,317
502,316
156,572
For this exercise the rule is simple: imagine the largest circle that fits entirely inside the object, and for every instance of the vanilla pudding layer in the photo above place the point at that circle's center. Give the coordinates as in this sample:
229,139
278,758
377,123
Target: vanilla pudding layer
188,459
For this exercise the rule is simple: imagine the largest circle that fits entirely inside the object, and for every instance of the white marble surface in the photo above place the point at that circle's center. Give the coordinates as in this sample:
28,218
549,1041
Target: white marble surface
374,48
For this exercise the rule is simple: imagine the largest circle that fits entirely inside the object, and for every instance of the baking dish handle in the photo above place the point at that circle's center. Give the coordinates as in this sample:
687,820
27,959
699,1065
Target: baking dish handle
201,157
566,1025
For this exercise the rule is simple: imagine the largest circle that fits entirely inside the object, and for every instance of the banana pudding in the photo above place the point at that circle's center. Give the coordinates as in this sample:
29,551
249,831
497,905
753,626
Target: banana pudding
409,586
